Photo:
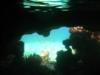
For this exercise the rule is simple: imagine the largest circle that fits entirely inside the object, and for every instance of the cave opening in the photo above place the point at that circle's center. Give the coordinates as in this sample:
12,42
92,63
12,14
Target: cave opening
45,45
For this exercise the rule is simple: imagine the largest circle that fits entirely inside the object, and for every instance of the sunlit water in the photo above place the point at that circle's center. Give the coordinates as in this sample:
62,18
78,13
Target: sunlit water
35,43
46,3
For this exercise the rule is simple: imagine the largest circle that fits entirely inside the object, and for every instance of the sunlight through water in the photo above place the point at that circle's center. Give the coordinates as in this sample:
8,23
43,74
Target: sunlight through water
35,43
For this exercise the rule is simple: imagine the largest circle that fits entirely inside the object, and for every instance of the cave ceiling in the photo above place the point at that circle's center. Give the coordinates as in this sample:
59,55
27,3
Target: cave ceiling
16,21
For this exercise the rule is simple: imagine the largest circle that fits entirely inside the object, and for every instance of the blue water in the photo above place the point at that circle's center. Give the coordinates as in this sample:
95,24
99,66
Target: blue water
35,43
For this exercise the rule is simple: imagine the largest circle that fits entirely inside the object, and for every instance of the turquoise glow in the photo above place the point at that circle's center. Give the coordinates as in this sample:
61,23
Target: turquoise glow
46,3
35,43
